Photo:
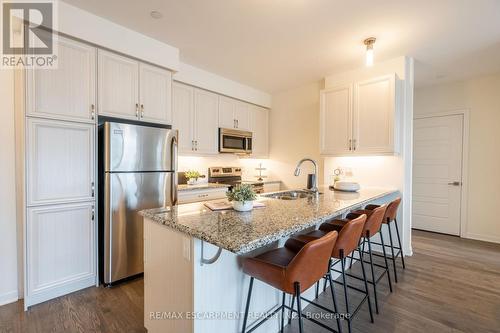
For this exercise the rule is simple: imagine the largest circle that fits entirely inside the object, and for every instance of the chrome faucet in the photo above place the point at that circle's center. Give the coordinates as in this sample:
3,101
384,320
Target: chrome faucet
297,172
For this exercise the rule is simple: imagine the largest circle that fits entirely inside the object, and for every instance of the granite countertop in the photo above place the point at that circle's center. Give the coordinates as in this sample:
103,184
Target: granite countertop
241,233
202,186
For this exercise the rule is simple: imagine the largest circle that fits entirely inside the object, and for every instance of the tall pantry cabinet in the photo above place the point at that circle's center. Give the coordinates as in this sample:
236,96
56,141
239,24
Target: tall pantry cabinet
60,176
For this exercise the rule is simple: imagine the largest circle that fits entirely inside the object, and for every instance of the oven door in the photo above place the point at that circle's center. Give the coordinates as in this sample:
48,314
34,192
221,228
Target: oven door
234,141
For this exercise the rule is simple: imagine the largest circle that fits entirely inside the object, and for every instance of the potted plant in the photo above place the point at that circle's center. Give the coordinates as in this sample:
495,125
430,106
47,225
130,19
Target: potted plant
242,197
192,176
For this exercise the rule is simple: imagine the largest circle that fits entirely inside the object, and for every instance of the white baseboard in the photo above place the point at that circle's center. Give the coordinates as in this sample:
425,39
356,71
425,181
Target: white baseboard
8,297
484,238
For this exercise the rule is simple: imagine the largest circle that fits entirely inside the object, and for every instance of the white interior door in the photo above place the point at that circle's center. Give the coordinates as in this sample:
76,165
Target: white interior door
437,173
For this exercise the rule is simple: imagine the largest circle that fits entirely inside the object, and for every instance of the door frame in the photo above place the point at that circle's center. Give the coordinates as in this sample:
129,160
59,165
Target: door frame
465,113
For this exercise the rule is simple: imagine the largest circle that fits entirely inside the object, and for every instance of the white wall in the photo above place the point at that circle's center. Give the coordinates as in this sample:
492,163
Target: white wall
8,237
482,97
383,171
294,134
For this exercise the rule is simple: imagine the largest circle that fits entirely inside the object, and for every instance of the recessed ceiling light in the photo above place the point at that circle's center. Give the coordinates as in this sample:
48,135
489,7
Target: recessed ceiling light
156,14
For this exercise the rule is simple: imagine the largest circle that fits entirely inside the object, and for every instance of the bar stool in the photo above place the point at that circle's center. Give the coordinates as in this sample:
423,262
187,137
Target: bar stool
292,272
347,243
372,227
390,217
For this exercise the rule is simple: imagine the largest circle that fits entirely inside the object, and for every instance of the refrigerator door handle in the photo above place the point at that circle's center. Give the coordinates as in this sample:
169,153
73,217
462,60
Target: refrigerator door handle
173,151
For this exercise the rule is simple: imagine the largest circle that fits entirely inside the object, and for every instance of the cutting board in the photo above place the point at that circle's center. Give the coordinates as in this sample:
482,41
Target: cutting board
226,205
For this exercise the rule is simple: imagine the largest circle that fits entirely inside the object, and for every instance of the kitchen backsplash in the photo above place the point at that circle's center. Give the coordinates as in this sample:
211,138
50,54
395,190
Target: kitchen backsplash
202,163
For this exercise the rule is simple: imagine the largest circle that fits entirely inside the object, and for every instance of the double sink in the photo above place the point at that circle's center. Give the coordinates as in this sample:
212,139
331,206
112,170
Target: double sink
291,195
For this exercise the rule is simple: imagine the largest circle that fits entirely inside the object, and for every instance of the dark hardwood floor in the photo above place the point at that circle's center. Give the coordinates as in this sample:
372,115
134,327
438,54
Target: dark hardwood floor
450,285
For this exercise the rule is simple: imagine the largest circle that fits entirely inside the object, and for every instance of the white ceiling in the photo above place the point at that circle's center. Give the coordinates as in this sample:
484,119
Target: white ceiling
274,45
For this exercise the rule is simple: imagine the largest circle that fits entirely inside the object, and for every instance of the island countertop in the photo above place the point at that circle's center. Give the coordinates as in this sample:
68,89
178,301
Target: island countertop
241,233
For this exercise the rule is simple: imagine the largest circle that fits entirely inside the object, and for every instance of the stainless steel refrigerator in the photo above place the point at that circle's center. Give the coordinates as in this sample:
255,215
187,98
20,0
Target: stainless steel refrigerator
137,170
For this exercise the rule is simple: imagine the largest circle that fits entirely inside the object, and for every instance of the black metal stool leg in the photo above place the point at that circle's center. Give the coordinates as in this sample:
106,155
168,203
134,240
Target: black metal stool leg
283,313
392,251
344,282
317,289
373,273
247,305
299,307
335,307
385,260
400,247
366,288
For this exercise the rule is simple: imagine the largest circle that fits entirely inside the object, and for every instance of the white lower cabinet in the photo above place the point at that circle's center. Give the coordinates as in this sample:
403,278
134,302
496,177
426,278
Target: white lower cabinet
60,250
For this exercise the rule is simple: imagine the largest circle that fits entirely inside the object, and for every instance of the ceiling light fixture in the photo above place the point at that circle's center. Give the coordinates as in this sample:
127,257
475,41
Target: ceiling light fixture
369,50
156,14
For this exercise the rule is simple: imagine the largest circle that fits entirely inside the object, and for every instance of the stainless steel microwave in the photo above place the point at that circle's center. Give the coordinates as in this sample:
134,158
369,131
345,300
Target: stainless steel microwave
235,141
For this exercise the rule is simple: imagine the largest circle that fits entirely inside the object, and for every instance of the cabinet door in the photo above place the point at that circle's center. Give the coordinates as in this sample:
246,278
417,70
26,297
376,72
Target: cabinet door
60,162
68,92
242,115
155,94
259,126
118,86
205,122
226,112
374,110
336,120
183,115
60,250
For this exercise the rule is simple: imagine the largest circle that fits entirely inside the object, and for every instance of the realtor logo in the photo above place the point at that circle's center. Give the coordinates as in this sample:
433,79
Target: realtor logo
28,38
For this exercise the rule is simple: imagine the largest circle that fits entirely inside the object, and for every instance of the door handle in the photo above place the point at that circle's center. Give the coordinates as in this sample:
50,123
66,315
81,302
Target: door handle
455,183
137,110
142,110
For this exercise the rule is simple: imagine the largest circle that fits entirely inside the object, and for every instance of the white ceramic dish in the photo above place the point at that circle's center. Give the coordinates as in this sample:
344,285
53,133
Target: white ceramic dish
346,186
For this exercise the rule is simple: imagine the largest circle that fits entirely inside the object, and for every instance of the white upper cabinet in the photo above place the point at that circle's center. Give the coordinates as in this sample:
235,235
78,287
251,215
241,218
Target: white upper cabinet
242,116
259,125
60,162
183,115
195,115
234,114
68,92
226,112
374,113
360,118
206,133
336,120
118,82
155,94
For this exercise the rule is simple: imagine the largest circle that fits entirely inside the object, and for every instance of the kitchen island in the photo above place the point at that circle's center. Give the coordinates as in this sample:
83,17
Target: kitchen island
192,258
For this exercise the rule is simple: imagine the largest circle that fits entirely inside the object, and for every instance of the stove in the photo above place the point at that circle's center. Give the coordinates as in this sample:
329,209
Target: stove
231,176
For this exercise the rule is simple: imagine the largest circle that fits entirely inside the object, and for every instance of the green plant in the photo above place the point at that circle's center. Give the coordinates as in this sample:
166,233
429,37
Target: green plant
242,193
192,174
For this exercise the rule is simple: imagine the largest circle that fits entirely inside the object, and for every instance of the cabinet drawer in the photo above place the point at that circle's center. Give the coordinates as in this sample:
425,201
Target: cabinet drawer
201,195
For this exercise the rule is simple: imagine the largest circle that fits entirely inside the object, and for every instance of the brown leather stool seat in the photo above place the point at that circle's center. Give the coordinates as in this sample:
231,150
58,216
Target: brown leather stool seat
350,232
390,219
291,271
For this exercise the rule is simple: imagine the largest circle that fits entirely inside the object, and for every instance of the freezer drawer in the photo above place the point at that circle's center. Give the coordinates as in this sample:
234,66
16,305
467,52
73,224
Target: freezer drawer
125,195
